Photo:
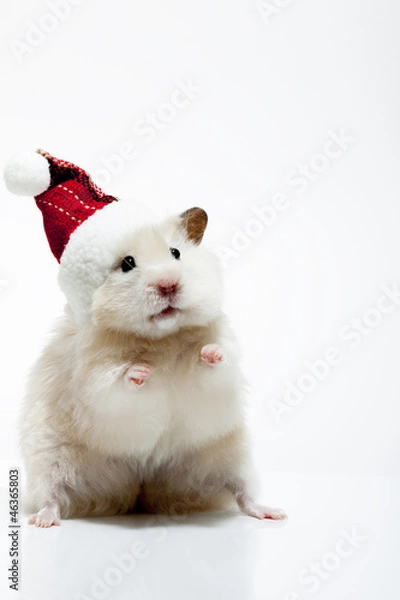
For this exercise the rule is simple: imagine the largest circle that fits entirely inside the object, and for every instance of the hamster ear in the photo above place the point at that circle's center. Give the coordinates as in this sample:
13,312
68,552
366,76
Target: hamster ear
194,221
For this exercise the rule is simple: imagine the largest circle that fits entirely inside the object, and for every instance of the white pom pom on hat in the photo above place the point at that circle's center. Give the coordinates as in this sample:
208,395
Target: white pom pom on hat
27,174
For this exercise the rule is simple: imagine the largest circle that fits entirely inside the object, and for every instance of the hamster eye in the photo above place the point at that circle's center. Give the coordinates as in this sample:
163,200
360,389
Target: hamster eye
175,253
128,264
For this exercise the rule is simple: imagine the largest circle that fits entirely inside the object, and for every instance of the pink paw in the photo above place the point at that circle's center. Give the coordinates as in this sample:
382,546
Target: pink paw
46,517
212,354
264,512
276,514
138,374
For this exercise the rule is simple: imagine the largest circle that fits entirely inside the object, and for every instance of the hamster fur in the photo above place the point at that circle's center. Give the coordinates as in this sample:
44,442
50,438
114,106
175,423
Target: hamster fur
142,404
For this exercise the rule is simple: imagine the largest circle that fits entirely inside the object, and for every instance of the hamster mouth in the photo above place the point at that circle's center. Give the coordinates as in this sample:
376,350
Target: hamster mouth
170,311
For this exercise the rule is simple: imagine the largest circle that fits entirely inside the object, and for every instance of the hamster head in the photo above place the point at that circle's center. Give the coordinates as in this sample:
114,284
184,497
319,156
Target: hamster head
162,280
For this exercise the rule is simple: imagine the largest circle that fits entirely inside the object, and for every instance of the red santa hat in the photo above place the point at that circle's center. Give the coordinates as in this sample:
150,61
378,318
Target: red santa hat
84,226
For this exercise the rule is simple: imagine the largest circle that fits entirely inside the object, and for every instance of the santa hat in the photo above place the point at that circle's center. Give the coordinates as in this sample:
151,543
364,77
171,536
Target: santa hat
83,225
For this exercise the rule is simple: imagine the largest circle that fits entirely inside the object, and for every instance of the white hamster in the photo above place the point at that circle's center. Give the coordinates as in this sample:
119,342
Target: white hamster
142,403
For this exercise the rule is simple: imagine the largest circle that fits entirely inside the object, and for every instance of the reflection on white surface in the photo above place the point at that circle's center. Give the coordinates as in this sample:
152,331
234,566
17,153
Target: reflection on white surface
341,535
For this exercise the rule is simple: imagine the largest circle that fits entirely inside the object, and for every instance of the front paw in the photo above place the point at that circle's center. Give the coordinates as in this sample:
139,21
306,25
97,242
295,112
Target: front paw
138,374
212,354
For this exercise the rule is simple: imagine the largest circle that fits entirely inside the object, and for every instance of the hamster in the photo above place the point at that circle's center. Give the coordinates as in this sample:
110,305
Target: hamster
142,404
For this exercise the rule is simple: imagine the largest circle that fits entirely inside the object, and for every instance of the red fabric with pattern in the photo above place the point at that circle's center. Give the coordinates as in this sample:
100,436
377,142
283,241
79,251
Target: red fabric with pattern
71,198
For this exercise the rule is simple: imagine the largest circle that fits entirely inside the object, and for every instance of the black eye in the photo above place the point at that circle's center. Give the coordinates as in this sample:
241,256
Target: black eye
175,253
128,264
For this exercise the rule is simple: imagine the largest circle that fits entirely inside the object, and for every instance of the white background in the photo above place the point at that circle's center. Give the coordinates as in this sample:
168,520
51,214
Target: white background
268,90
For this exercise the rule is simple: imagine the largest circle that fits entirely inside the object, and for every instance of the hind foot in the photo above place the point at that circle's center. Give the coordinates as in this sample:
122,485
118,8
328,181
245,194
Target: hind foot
249,507
47,517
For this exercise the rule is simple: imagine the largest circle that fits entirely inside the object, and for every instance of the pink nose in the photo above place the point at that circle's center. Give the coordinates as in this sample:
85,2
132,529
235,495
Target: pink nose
167,287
